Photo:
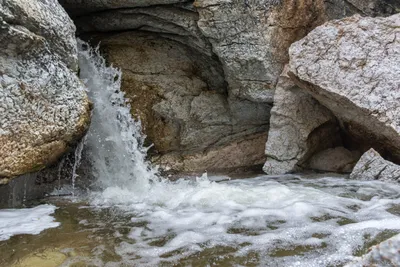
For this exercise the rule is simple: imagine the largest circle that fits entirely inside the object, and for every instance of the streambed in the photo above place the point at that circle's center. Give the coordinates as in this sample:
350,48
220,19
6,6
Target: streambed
263,221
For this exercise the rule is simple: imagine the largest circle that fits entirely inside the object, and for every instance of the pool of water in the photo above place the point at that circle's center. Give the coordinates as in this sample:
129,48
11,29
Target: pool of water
263,221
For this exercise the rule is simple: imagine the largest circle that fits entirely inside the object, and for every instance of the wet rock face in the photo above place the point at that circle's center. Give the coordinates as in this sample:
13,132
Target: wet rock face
43,107
372,166
351,67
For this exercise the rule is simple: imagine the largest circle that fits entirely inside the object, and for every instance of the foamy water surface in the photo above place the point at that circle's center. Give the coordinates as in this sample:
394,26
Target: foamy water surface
280,221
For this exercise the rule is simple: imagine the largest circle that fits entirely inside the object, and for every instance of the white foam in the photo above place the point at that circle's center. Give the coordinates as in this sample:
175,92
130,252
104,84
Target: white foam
262,213
114,142
26,221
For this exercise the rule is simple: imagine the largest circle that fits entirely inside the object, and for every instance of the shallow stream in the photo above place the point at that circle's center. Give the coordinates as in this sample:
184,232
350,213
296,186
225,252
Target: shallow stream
263,221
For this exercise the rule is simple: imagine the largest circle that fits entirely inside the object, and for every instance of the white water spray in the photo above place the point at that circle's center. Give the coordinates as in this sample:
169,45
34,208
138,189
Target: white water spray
59,170
77,162
115,139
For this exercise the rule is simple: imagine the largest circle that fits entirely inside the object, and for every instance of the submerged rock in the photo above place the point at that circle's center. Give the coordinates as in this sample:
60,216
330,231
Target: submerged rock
386,253
372,166
351,66
46,258
43,106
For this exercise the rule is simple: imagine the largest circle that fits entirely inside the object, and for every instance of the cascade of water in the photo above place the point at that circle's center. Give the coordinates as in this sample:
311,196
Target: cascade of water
77,162
24,198
60,166
115,139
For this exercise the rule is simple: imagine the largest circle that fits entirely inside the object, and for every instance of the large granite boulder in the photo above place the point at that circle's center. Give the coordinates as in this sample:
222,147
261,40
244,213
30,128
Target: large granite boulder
43,106
372,166
351,66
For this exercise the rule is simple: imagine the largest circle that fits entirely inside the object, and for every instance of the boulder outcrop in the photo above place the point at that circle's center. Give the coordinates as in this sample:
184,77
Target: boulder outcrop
295,134
372,166
299,127
351,67
43,105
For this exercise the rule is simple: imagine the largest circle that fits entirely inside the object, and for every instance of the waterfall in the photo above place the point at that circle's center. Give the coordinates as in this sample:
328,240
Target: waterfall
115,140
77,162
263,216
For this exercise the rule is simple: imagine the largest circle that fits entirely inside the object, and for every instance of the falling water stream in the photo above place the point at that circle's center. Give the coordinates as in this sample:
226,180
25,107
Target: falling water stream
134,217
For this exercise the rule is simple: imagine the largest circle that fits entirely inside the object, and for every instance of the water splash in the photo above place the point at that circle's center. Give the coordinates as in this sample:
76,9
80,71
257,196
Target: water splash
115,139
60,168
77,162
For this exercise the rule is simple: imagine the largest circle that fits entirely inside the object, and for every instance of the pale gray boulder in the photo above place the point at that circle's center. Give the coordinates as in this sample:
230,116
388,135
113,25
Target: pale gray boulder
372,166
43,105
299,127
351,66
